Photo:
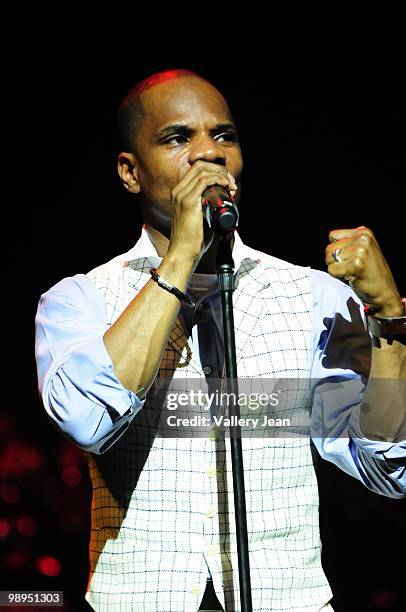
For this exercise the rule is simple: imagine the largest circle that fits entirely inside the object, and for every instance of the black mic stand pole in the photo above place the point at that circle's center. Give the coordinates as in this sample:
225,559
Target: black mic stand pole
225,276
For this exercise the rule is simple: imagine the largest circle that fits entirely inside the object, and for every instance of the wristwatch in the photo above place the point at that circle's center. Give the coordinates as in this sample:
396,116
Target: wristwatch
387,327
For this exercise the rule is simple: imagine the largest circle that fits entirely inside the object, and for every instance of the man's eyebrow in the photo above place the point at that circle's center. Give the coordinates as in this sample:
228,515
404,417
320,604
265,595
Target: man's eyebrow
183,128
179,128
223,127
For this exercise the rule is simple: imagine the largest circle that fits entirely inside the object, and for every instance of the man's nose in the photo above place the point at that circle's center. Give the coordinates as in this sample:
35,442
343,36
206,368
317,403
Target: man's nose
207,149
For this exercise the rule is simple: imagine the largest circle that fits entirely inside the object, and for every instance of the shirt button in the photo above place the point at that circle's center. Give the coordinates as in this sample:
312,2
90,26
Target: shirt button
196,590
210,512
207,370
211,471
213,435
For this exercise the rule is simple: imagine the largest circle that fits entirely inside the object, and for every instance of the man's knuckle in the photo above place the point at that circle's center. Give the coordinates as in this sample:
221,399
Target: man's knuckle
359,264
364,239
365,233
362,251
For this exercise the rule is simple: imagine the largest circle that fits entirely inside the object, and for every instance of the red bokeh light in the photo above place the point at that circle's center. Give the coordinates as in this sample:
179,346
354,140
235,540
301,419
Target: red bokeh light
70,455
16,560
10,493
71,476
17,458
26,525
4,528
48,566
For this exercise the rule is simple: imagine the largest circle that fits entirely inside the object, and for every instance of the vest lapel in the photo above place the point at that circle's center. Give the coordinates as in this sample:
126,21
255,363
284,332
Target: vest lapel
248,309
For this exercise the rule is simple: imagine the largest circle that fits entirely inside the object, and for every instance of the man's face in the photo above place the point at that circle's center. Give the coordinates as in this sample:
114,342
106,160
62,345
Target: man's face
186,120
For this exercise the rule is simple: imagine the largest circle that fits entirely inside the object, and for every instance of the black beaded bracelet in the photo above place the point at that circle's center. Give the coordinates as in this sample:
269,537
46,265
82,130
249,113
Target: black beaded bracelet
168,287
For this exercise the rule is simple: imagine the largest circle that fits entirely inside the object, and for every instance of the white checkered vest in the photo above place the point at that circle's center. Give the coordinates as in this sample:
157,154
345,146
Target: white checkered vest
163,507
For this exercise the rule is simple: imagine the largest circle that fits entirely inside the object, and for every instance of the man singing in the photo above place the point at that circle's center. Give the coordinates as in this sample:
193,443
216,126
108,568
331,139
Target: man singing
163,529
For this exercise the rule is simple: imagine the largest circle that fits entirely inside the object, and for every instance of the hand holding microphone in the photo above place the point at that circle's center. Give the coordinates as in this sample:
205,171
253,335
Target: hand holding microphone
219,209
206,190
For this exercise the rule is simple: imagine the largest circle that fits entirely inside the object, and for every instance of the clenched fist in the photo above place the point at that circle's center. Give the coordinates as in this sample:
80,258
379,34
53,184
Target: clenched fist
355,256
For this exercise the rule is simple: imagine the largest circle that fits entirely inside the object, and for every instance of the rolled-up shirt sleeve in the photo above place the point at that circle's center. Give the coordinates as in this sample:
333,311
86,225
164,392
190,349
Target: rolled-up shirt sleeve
79,389
384,462
342,351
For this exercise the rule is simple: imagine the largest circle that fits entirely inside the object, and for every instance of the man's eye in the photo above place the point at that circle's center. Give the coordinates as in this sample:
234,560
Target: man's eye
227,137
176,139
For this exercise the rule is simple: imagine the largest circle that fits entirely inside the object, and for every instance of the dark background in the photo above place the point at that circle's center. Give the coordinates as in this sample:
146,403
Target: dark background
323,142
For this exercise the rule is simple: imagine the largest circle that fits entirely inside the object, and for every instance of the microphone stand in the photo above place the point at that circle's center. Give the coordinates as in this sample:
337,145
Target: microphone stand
225,277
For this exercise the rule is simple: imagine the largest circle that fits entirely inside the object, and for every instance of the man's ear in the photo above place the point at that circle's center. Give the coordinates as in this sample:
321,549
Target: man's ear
128,172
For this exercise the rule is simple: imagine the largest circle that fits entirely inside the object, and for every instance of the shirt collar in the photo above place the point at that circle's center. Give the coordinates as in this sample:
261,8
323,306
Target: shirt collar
145,249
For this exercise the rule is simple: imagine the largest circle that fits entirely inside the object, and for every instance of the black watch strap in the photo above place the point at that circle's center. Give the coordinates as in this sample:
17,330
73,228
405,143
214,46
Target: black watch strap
387,327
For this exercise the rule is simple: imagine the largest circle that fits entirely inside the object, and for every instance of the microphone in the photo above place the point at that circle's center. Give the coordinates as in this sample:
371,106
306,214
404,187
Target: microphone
220,212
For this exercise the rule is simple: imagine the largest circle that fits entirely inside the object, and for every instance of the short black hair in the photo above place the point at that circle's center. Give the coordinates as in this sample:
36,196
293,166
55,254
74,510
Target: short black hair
132,113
